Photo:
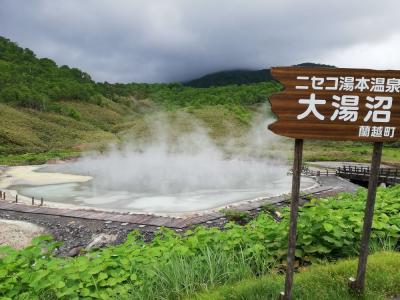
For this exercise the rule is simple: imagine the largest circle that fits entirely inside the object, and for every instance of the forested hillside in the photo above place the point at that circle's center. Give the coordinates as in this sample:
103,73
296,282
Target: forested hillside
28,81
231,77
50,111
53,109
240,77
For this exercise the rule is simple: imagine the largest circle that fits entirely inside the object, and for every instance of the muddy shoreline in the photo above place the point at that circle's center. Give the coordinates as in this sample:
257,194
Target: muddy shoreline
76,233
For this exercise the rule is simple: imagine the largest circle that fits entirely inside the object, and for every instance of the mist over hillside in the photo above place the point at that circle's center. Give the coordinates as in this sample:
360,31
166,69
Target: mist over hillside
49,111
240,76
46,108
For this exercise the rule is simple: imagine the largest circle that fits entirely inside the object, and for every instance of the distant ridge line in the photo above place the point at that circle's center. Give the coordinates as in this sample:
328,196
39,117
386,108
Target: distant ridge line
240,76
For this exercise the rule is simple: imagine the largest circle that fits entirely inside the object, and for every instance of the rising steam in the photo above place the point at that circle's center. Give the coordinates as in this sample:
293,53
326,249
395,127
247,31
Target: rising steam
169,163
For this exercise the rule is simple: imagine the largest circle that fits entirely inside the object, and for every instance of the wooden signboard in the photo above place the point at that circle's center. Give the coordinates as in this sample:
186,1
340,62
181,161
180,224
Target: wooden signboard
339,105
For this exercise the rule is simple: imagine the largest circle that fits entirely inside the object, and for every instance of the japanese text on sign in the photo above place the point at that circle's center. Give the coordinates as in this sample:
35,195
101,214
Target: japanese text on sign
347,106
349,83
337,104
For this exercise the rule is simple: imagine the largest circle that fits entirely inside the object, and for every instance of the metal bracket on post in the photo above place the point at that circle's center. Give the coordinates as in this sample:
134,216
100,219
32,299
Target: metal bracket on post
357,284
294,208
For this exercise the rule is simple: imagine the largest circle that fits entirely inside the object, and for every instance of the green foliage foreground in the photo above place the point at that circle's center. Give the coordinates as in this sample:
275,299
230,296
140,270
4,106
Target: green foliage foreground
322,282
173,266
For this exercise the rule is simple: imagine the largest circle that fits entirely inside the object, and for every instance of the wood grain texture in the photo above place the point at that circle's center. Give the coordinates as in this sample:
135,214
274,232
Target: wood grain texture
286,106
359,283
294,208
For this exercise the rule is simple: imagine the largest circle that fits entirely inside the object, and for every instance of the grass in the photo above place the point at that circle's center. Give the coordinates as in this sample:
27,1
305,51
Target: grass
30,136
184,275
36,158
328,281
345,151
219,121
173,265
28,131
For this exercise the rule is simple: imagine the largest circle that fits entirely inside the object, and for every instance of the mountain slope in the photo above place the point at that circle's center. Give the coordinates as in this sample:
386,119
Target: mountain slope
230,77
239,77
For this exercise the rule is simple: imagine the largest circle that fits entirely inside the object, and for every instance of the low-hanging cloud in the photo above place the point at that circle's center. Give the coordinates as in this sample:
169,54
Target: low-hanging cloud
169,40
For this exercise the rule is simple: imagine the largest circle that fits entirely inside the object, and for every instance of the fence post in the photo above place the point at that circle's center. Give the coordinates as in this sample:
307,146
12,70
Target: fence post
16,198
41,201
33,200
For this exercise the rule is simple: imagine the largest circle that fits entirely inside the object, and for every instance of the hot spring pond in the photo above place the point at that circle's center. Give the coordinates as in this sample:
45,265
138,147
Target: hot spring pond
155,191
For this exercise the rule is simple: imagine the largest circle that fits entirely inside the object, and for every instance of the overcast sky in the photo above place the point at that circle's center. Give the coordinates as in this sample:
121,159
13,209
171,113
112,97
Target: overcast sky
174,40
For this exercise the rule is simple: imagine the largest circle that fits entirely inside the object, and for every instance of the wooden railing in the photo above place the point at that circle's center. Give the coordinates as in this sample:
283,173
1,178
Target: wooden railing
308,172
354,172
360,170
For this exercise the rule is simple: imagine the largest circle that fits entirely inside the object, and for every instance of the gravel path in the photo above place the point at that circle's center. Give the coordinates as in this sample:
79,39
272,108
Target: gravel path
77,233
18,234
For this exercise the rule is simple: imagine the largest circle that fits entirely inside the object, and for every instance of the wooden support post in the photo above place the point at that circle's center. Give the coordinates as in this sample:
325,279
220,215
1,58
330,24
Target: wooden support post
294,207
358,283
16,198
33,200
41,201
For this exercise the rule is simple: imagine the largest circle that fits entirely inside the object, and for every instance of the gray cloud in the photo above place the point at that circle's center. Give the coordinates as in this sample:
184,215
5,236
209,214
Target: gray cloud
169,40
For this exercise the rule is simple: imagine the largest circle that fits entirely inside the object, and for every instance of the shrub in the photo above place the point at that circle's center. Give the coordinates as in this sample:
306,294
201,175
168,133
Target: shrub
239,217
328,228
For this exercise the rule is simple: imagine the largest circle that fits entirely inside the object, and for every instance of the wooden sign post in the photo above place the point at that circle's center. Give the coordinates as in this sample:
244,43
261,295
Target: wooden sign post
294,208
339,105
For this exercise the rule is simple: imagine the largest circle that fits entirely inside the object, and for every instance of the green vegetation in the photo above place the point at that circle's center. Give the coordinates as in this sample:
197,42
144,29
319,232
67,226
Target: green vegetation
342,151
36,158
348,151
173,266
175,95
239,217
47,109
28,81
231,77
49,112
29,136
322,282
239,77
25,130
35,83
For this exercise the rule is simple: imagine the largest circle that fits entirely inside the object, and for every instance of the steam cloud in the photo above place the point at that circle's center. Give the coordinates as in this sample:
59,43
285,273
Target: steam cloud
190,162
